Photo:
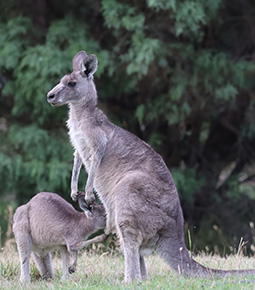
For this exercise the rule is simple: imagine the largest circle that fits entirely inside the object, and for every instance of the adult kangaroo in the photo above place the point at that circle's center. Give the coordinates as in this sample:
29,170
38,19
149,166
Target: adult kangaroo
131,179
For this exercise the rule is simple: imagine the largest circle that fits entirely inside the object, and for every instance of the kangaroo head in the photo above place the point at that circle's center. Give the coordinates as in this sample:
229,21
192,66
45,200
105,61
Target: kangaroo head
77,86
99,216
95,212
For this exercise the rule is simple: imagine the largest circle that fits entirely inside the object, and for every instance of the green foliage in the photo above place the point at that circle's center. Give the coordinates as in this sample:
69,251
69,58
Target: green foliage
162,4
238,189
35,161
156,140
188,184
118,15
15,36
141,54
139,114
188,16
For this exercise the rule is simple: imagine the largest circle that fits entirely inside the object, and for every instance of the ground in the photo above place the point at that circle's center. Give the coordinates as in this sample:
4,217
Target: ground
106,271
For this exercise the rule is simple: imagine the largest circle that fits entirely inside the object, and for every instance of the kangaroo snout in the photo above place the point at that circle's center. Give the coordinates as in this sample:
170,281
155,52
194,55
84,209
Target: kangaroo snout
54,100
51,97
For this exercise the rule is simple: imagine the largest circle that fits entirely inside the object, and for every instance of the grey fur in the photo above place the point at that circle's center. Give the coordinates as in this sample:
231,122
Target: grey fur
131,179
48,222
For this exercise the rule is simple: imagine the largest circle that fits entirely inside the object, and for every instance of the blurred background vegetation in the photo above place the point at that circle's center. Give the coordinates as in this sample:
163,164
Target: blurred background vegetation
179,74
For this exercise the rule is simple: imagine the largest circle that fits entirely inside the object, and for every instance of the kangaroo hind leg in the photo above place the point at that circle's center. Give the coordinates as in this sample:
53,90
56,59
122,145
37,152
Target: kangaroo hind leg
131,246
44,265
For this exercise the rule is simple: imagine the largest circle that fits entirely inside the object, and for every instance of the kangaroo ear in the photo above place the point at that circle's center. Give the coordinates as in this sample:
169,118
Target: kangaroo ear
89,65
78,60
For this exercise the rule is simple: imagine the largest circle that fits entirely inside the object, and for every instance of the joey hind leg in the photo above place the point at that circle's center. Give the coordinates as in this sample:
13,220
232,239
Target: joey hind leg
72,268
66,262
24,245
44,265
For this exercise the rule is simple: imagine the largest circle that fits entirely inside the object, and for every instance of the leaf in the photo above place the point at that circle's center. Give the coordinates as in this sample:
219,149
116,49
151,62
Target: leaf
139,114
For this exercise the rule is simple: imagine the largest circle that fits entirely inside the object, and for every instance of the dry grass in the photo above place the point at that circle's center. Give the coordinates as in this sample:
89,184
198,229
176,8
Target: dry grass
106,271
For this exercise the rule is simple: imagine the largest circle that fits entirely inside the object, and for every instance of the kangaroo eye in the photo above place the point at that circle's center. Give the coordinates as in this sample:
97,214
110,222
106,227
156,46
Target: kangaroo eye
71,84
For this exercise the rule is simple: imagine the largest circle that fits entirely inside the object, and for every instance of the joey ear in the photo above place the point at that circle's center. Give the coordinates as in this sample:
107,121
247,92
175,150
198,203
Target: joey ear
83,206
89,65
78,60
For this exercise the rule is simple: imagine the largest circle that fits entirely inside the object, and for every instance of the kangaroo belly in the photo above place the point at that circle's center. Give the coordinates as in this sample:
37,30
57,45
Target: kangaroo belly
43,251
46,239
107,197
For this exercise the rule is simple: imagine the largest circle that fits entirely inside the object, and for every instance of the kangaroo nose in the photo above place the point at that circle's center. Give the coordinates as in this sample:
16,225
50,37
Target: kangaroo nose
51,97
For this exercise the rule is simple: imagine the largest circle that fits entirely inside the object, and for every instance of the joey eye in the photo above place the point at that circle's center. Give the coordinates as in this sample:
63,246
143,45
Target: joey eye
71,84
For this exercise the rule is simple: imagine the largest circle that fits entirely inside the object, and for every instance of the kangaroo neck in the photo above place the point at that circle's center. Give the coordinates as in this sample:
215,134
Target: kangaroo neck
85,222
83,110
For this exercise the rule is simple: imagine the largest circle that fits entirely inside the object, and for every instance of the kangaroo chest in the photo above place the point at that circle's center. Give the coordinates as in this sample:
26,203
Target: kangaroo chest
80,142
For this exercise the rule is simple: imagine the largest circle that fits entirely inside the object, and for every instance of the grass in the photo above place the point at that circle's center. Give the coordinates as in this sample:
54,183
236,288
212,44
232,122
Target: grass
106,271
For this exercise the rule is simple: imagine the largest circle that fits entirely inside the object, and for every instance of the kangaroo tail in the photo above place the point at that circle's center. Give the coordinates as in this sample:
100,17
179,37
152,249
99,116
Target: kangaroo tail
177,257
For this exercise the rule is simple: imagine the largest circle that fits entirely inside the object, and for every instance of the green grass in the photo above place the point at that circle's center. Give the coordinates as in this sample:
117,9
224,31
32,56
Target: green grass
106,272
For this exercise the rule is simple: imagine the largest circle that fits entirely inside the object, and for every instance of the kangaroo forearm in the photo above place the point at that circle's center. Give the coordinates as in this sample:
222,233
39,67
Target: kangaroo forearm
76,172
